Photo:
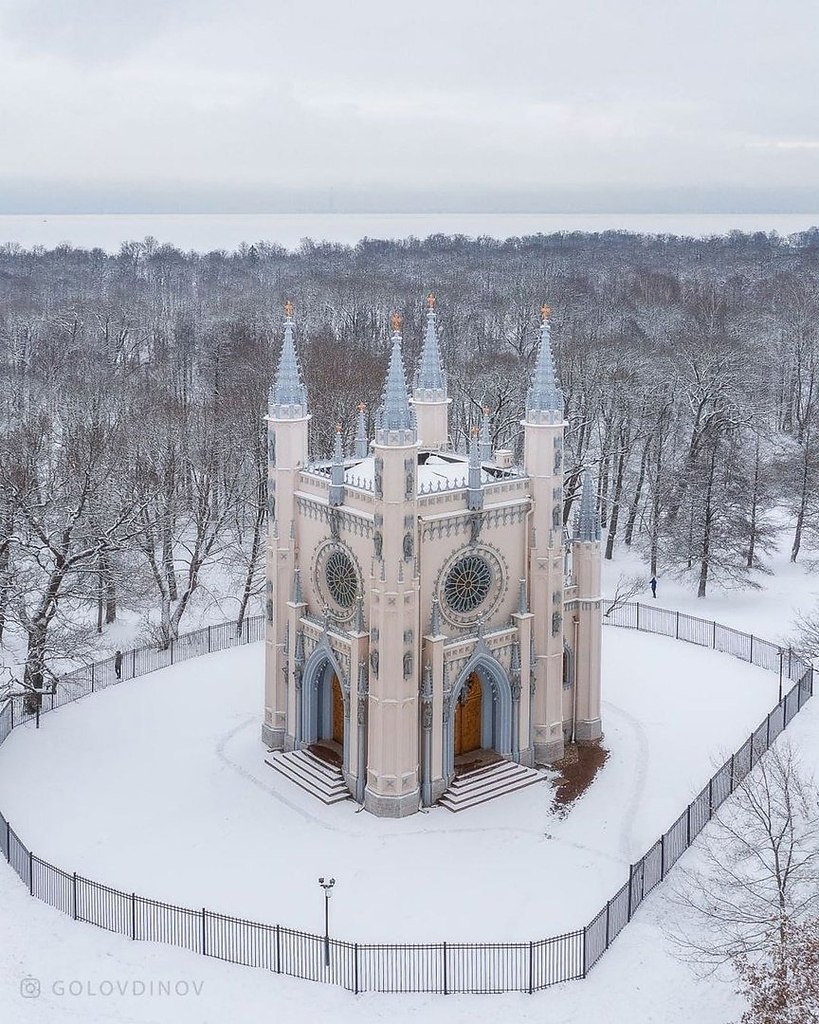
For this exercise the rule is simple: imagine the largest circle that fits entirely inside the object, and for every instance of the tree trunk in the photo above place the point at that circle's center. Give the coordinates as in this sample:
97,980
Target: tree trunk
615,505
754,504
632,516
705,556
803,501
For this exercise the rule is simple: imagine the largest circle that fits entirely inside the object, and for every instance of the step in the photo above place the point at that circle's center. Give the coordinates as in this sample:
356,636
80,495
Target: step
476,800
311,774
490,769
486,784
319,771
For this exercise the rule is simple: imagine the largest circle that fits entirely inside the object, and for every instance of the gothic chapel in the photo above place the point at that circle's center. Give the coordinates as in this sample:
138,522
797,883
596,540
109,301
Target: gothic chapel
430,622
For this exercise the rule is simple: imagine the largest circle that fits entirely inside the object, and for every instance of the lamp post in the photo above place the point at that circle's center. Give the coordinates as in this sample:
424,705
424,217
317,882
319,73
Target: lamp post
327,885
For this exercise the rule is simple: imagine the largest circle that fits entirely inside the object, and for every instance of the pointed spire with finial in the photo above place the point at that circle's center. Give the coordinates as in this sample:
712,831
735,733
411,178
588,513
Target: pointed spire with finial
486,436
288,397
544,402
435,618
474,496
362,443
430,380
396,422
296,597
587,524
336,496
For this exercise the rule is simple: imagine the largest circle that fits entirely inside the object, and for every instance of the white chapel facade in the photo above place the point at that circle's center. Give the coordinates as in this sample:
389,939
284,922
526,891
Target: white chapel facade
426,606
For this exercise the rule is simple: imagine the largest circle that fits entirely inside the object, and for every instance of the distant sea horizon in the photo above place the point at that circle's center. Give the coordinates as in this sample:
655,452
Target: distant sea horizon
208,231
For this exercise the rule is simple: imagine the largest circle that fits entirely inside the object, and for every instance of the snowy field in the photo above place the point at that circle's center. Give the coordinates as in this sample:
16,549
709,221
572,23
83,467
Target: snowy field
157,785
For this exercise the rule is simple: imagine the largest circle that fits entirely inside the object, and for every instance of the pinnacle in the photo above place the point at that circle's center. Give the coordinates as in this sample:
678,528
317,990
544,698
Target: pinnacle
544,391
395,412
587,524
287,389
430,375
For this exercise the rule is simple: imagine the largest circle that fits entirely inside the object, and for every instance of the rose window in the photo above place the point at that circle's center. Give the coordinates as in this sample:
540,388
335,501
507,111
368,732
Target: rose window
342,579
467,584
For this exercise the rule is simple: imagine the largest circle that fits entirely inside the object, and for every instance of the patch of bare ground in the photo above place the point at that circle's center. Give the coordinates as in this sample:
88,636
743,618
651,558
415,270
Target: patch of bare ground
574,773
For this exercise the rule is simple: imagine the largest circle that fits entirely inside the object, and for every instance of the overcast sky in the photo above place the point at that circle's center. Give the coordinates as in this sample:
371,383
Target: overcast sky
264,105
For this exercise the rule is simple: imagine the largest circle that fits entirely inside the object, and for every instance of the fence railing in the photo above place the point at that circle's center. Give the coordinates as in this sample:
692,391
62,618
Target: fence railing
440,967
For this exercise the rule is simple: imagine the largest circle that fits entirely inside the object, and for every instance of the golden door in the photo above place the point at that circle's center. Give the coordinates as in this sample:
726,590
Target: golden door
338,712
468,718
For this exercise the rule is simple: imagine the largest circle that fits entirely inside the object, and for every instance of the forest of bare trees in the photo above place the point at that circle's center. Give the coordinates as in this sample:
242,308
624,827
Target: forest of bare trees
132,460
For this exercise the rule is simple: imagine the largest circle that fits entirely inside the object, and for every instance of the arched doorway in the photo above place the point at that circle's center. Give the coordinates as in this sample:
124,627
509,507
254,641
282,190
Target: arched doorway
478,717
323,712
468,718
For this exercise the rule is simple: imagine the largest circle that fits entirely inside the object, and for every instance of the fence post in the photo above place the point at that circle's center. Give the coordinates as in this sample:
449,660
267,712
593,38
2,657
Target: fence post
133,915
8,842
751,659
711,798
751,753
355,971
662,856
733,777
204,932
133,663
92,676
74,895
714,644
608,916
531,968
30,873
278,937
209,653
638,614
677,628
585,968
446,985
171,647
688,827
630,887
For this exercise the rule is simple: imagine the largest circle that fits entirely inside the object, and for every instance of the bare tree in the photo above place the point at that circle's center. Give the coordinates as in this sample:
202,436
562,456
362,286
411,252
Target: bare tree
756,876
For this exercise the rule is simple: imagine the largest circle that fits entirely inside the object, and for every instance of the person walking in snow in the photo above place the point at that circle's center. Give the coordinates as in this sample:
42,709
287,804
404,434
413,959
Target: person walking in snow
118,664
653,584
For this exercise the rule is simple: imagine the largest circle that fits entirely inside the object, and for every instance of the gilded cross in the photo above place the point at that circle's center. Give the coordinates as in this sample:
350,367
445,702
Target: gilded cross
545,312
396,321
431,301
288,309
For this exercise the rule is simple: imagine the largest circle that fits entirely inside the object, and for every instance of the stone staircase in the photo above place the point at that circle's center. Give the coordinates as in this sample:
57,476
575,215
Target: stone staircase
310,773
498,779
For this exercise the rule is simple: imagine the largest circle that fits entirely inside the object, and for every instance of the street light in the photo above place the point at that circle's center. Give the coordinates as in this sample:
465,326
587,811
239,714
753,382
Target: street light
327,886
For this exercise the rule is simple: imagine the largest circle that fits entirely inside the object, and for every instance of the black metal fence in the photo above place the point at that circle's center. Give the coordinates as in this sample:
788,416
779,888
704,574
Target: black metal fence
441,967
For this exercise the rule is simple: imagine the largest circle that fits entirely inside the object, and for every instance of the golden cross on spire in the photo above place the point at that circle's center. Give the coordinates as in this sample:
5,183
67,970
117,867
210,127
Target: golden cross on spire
545,312
338,428
396,322
485,410
288,309
431,301
362,407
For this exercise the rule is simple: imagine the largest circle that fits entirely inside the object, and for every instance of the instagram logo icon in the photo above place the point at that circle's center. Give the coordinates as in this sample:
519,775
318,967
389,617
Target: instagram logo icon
30,988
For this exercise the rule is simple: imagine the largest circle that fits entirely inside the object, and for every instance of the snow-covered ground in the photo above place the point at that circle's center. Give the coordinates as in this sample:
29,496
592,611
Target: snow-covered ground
157,785
160,786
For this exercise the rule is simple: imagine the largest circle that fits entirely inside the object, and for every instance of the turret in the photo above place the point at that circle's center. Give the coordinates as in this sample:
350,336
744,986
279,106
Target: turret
543,428
362,443
393,789
429,396
587,660
337,470
287,425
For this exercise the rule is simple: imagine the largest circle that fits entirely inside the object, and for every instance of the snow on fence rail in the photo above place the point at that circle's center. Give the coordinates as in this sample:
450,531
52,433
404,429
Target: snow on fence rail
439,967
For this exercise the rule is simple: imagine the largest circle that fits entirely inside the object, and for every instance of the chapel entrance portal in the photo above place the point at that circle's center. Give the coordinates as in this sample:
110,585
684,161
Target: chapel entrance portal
468,717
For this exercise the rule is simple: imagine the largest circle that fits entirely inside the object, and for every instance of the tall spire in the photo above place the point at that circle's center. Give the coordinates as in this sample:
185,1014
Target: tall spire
336,496
430,380
474,495
587,524
396,422
545,396
486,436
288,397
362,444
